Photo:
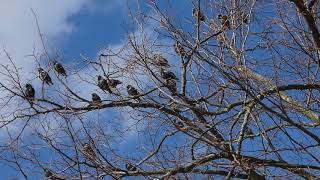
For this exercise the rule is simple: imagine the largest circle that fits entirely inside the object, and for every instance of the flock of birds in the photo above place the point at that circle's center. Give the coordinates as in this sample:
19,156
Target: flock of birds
110,86
197,14
107,85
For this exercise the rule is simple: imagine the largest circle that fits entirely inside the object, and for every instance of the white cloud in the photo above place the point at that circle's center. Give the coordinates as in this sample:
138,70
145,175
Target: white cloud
18,32
19,35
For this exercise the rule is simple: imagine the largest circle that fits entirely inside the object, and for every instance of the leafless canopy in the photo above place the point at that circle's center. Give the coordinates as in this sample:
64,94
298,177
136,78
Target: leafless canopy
230,90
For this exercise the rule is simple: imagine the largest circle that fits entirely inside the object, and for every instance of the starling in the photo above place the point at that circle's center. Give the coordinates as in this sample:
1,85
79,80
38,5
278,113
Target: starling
114,83
88,151
50,175
196,13
179,49
133,92
130,167
103,84
168,75
59,68
249,132
171,85
30,92
44,76
224,21
96,99
160,61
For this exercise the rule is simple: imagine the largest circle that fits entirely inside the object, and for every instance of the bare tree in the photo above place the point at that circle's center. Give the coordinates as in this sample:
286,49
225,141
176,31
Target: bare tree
232,91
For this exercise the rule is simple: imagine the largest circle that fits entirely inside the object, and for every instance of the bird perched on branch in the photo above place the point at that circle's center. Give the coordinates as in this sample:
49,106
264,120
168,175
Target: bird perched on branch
133,92
50,175
44,76
103,84
160,61
248,132
96,100
59,68
130,167
178,48
198,14
224,21
167,75
172,85
88,152
30,93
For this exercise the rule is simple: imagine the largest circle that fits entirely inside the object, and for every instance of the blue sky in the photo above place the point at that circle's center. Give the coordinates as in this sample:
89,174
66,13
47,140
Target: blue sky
100,27
73,27
94,30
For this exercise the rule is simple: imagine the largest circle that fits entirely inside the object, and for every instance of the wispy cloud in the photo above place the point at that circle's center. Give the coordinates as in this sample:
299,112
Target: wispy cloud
19,35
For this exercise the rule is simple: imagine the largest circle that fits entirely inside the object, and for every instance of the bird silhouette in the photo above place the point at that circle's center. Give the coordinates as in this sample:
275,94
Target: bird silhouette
88,152
103,84
160,61
171,85
167,75
179,49
59,68
96,98
249,132
30,93
133,92
196,13
224,21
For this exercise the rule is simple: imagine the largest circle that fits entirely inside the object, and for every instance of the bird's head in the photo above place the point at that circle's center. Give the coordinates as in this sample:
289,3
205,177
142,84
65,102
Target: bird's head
156,56
194,10
28,85
86,145
219,16
40,69
94,94
129,87
100,78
